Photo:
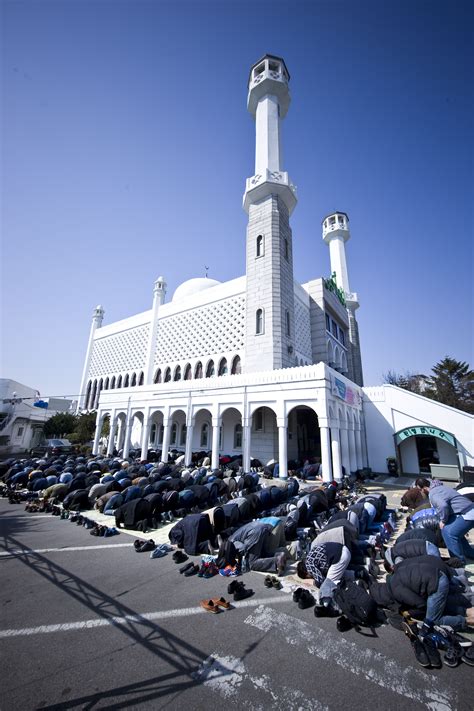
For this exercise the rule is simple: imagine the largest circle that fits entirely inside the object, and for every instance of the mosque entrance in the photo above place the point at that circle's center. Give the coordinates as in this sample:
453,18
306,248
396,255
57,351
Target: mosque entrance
421,446
304,440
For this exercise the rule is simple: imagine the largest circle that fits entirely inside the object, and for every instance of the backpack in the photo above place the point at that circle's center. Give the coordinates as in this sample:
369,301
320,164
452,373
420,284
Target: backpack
356,604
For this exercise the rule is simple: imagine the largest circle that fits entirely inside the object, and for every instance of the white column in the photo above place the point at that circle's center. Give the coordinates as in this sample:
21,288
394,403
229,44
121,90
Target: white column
344,439
352,450
159,292
97,319
166,440
337,256
246,444
215,444
365,456
145,435
113,429
336,453
267,135
283,451
128,434
188,454
358,445
98,427
120,433
326,453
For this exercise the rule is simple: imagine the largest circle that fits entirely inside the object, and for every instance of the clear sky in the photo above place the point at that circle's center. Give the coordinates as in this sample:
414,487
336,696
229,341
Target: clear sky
126,143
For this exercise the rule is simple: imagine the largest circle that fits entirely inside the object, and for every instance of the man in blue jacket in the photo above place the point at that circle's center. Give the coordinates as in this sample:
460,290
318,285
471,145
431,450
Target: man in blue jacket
457,518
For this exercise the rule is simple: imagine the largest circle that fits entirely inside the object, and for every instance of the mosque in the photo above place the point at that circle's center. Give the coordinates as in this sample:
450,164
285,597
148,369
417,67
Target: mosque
261,366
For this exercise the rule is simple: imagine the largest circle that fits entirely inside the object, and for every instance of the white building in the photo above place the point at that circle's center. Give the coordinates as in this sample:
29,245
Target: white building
21,422
260,365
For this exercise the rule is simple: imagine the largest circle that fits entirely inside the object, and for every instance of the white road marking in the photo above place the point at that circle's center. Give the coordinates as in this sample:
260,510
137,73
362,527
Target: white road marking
125,619
228,676
373,666
67,549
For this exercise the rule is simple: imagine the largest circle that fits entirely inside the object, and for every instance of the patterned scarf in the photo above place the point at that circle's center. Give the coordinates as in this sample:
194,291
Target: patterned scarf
317,564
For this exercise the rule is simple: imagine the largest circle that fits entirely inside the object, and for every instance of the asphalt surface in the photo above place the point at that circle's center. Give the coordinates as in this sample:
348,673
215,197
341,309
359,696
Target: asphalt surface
105,627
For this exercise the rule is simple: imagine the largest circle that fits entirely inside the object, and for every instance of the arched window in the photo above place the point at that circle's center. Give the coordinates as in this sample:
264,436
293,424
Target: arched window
126,381
288,330
210,370
188,372
157,378
141,378
106,384
153,433
238,437
161,432
133,381
119,381
343,362
177,373
182,438
198,370
174,433
167,375
259,249
112,383
88,394
236,366
330,353
99,390
204,441
223,367
259,325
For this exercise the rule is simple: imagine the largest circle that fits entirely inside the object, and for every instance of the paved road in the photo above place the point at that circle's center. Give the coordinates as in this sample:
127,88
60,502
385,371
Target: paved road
88,623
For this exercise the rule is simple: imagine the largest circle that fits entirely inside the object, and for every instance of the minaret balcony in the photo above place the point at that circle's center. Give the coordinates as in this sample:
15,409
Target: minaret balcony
270,182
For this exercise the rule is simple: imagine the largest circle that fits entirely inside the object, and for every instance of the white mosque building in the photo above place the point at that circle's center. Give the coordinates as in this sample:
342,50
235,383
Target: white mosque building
261,365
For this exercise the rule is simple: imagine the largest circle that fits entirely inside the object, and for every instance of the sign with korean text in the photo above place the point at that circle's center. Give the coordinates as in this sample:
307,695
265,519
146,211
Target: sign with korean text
425,430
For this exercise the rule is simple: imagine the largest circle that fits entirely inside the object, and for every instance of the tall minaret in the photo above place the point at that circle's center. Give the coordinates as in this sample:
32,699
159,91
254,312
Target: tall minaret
269,200
159,293
335,234
97,318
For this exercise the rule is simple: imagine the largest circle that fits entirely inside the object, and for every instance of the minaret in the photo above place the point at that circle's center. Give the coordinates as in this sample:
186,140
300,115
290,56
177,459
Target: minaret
335,234
97,318
159,293
269,200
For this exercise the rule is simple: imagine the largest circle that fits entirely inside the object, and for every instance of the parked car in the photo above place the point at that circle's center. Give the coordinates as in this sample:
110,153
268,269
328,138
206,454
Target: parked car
52,447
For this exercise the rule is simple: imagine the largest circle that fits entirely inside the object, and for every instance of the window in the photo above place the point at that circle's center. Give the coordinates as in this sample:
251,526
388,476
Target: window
342,337
286,249
238,437
259,322
141,379
125,381
259,70
106,386
288,331
153,433
177,373
198,370
204,435
134,380
174,433
119,381
112,383
161,432
210,370
341,220
221,436
258,420
236,366
20,431
157,378
223,367
328,323
259,250
332,220
188,374
167,375
182,439
334,328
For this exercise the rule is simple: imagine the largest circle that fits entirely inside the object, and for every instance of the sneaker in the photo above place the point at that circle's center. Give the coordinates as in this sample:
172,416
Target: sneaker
433,654
191,571
468,656
420,653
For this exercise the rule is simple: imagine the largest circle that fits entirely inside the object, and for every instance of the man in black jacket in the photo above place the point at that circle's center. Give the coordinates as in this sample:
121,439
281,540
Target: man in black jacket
422,585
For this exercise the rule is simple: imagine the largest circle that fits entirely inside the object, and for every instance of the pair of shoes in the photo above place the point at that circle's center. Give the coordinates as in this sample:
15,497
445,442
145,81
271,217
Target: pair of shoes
161,550
238,590
191,569
280,563
144,546
325,611
179,557
304,598
214,604
272,582
110,532
424,646
229,571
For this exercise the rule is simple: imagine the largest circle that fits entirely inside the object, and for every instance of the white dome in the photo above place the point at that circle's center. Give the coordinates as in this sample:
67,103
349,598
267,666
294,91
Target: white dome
193,286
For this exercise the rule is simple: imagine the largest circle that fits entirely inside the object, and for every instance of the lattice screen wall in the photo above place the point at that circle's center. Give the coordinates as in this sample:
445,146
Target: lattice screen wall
209,330
302,330
125,351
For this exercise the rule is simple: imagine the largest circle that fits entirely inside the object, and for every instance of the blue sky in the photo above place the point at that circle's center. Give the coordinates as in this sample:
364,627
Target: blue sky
126,144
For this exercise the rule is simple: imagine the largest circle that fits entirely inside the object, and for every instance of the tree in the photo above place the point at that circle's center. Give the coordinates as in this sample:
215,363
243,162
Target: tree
452,383
85,428
408,381
60,425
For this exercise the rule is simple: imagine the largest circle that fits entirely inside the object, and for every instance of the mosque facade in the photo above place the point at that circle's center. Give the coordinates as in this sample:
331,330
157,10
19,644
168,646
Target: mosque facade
261,365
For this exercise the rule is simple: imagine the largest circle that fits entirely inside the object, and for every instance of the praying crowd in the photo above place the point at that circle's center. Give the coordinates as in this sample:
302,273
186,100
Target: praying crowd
338,546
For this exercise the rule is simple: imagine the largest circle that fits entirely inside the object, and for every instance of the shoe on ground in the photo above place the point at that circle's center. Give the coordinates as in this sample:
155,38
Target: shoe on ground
433,654
242,594
234,586
192,570
468,656
179,557
420,653
209,606
268,581
186,567
297,594
306,600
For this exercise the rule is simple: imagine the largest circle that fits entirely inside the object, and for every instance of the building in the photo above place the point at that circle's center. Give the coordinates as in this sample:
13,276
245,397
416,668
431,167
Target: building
21,421
260,365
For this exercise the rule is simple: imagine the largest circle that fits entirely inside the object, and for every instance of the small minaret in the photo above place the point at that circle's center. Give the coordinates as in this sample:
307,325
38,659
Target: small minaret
335,234
269,200
159,293
97,318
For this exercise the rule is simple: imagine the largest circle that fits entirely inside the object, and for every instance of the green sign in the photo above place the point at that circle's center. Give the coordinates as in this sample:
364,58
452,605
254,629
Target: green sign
331,285
423,430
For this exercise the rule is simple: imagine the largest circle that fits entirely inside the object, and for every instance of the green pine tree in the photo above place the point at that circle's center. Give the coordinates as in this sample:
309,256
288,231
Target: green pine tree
452,383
